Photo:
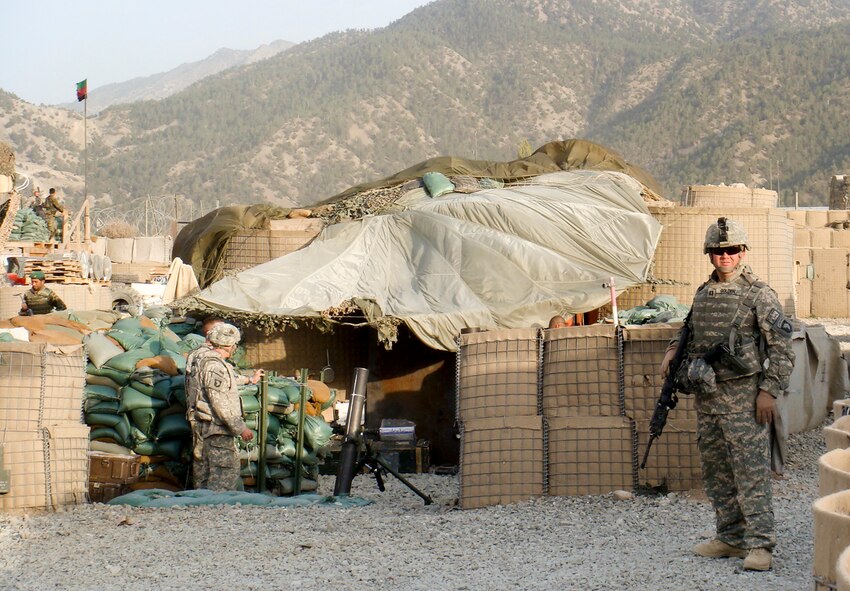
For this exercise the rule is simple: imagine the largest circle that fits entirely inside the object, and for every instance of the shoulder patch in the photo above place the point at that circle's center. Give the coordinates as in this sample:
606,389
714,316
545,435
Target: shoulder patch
778,323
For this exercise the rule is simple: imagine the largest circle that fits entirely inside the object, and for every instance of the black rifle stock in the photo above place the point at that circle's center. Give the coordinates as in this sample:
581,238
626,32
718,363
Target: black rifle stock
668,399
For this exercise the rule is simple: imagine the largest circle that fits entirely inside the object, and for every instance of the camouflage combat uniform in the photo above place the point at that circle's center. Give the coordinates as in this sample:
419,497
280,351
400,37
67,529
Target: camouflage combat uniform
733,445
51,208
43,301
214,411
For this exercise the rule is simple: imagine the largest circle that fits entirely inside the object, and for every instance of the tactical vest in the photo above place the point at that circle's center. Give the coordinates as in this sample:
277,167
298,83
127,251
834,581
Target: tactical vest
203,410
39,302
725,313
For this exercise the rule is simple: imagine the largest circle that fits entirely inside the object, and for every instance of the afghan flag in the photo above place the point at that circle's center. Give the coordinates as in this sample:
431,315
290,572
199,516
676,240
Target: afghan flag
82,90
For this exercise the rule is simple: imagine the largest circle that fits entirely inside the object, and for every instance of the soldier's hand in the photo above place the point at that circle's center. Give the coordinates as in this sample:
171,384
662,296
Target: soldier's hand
258,375
665,363
247,434
765,408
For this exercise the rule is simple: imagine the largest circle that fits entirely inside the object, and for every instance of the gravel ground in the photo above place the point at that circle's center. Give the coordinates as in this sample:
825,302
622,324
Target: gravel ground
576,543
580,543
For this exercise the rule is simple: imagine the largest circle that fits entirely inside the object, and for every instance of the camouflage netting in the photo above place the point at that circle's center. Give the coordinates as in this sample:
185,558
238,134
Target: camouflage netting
7,160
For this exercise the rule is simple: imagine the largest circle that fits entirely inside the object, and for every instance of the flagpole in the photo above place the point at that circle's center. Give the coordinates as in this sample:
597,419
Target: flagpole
85,147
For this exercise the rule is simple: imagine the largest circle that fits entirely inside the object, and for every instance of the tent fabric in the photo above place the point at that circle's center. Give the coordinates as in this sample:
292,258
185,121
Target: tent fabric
555,156
499,258
203,242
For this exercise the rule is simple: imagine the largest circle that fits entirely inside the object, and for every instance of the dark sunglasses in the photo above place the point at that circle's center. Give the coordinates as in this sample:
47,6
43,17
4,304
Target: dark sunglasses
725,250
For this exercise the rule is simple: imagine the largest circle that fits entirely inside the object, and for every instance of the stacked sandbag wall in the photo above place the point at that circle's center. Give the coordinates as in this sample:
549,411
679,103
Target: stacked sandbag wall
42,437
136,398
679,265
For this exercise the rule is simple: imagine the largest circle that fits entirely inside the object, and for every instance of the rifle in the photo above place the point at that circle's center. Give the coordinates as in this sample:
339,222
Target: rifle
668,399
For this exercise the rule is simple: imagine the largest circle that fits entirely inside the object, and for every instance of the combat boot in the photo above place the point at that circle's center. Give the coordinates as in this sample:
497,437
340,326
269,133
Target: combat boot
758,559
718,549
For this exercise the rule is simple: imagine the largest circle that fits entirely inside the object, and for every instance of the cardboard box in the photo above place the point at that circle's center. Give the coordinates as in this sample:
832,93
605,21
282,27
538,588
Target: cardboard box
590,455
501,461
113,468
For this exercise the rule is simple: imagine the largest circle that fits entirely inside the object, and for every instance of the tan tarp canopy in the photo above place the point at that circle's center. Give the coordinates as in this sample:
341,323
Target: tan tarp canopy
552,157
498,258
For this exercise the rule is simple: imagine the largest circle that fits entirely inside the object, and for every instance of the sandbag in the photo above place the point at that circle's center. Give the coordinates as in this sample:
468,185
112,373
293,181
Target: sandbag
249,403
131,399
160,389
108,433
96,392
95,405
128,340
142,419
287,485
437,184
53,337
127,361
116,375
163,363
173,426
110,448
100,349
103,381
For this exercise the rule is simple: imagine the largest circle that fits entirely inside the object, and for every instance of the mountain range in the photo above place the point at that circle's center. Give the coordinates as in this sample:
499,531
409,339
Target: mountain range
694,91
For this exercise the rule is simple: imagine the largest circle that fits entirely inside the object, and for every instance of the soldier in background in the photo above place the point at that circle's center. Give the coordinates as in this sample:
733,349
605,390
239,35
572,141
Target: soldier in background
738,361
39,299
193,362
52,208
214,410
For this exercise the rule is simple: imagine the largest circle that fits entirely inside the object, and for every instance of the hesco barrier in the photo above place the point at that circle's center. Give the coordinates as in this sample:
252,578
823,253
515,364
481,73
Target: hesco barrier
76,297
592,389
249,248
837,435
832,537
719,196
45,445
680,266
833,472
842,569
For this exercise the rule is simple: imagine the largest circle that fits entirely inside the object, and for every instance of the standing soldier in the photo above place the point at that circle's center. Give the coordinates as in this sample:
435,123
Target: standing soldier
39,299
213,409
52,207
738,361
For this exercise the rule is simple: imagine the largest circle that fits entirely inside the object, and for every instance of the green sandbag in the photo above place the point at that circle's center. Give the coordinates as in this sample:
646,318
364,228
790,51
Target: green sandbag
127,361
160,344
279,472
182,329
132,399
193,341
93,392
118,423
107,433
178,395
95,405
119,377
317,433
160,389
172,426
146,448
286,446
128,340
142,419
273,428
249,403
132,325
239,358
100,349
102,381
246,389
330,401
277,396
170,448
136,435
437,183
252,420
287,485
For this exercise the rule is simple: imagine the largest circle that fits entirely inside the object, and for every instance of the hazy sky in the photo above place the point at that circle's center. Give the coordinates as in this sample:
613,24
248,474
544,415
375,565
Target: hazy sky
50,45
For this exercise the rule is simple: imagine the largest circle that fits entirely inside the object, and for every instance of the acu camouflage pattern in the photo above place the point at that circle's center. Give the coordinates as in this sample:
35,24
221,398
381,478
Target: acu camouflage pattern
733,446
215,414
736,473
715,306
43,301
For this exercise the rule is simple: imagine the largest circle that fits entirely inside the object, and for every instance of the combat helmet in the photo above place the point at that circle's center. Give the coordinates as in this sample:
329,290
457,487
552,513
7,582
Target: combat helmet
725,232
224,335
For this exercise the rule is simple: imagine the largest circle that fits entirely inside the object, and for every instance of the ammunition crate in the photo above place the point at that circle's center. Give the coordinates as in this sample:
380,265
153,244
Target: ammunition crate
103,492
106,468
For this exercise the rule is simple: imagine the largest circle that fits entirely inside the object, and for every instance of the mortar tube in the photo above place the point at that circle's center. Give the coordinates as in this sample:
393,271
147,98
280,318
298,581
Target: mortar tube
353,427
262,436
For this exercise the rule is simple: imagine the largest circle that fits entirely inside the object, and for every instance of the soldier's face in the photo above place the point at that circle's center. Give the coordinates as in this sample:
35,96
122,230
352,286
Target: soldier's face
37,284
725,260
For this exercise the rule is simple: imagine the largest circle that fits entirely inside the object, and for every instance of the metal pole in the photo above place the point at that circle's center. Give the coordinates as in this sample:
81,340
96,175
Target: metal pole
299,439
261,434
353,425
